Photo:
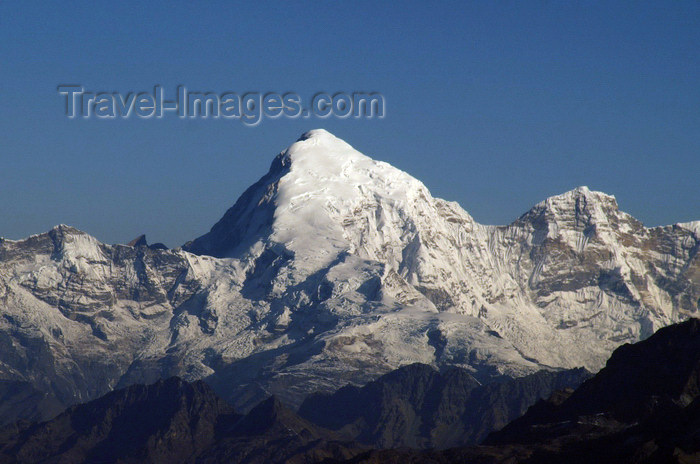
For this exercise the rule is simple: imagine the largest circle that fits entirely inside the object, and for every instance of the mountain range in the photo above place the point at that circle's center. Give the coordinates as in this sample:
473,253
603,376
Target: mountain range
643,407
172,421
335,269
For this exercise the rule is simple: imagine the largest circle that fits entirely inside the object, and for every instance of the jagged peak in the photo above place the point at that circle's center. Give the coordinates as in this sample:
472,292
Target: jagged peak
139,241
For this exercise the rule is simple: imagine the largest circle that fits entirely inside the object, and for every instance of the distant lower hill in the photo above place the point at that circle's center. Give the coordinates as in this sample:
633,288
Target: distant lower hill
170,422
417,407
642,408
173,421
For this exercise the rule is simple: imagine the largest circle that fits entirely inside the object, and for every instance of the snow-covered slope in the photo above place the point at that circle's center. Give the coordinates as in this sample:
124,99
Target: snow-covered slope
332,268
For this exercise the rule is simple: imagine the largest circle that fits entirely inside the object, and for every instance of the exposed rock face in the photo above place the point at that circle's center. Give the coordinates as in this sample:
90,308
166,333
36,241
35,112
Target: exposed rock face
138,241
418,407
141,241
336,268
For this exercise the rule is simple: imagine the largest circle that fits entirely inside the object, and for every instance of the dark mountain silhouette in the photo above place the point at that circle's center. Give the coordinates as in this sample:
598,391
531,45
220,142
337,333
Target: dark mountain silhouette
141,241
169,422
643,407
417,407
270,433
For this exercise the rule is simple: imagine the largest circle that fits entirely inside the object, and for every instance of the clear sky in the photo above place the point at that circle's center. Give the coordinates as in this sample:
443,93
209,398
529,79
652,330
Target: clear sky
495,105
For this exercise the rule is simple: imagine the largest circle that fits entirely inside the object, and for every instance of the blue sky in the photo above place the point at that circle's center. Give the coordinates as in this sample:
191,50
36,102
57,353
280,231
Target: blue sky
495,105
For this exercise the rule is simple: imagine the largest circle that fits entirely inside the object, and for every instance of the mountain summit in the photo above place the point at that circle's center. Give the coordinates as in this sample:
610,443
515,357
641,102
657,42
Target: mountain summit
314,193
335,268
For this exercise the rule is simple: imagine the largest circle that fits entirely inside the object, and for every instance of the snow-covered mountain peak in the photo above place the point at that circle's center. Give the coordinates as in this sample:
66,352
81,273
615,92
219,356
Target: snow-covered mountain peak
67,229
322,136
578,209
62,232
319,138
75,247
333,199
326,209
318,191
579,198
319,153
320,157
